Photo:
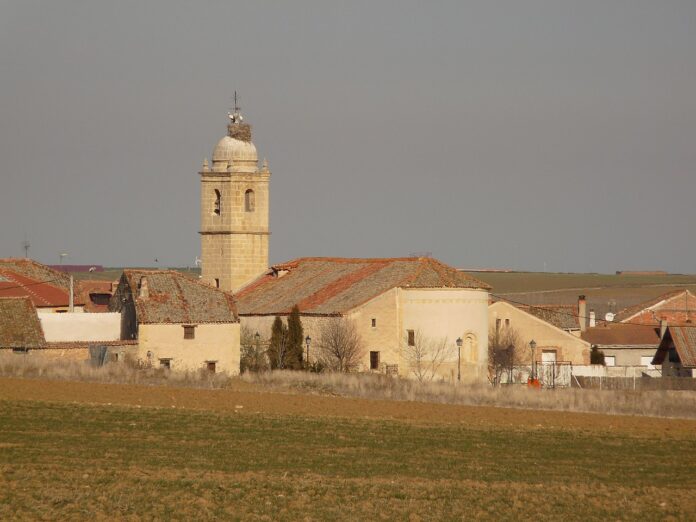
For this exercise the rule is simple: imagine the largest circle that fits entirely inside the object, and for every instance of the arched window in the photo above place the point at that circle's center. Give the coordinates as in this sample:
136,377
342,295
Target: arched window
218,203
249,201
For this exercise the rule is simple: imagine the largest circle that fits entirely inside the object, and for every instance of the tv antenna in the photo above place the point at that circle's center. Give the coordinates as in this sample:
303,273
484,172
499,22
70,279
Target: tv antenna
25,246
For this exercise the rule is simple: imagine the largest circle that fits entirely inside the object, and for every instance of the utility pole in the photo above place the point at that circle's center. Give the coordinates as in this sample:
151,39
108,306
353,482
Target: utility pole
71,300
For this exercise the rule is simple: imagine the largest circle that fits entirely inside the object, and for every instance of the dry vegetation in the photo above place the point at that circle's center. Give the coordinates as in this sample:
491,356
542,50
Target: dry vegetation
657,403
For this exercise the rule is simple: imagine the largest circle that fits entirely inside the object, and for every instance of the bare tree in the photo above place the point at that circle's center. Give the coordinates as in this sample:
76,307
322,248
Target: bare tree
340,346
425,355
505,351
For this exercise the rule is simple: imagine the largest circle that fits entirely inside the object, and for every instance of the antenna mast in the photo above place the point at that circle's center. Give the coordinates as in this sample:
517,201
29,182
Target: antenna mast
25,246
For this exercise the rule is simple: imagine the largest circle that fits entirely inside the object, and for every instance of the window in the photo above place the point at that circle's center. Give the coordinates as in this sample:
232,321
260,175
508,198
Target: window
497,324
217,283
411,338
189,331
609,360
165,364
249,201
374,360
507,323
210,365
114,357
374,323
646,360
218,202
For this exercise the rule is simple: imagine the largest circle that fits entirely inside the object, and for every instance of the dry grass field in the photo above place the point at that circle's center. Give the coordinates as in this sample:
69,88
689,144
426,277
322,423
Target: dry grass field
76,450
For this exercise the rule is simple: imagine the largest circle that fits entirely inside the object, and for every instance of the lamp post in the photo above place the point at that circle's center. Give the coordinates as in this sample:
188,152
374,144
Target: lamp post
459,359
308,341
532,345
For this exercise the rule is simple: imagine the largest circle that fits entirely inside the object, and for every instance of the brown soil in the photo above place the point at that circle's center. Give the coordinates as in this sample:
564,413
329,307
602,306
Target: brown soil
250,399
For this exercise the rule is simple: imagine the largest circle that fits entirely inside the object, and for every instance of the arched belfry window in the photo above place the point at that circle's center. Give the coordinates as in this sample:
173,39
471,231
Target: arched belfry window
218,203
249,201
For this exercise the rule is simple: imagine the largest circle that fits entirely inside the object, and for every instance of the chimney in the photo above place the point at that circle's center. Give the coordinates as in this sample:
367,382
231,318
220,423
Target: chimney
663,327
143,290
582,312
593,322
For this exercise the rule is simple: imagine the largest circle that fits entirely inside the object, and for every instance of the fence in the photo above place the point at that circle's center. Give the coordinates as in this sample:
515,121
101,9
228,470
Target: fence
637,383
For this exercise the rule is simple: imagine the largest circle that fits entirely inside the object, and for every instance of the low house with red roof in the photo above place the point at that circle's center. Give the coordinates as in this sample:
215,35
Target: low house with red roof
393,302
178,323
625,345
48,289
676,354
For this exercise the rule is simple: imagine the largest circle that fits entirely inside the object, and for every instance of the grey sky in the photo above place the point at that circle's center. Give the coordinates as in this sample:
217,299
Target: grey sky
499,134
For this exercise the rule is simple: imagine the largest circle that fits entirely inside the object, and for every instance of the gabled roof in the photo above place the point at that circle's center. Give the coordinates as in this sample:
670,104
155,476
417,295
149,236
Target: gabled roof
564,317
87,288
27,278
617,334
19,324
330,286
631,311
684,339
177,299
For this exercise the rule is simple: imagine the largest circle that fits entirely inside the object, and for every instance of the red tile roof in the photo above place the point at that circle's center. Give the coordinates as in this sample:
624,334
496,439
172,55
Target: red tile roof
330,286
684,340
629,312
618,334
27,278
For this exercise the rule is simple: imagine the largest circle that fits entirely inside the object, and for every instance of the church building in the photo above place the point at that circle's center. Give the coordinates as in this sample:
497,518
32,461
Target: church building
234,210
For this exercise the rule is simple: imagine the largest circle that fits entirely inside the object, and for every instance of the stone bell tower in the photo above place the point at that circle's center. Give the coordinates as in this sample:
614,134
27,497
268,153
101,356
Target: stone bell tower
234,210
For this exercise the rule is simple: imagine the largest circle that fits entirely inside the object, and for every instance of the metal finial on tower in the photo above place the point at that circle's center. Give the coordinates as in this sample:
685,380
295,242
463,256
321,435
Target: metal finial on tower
235,114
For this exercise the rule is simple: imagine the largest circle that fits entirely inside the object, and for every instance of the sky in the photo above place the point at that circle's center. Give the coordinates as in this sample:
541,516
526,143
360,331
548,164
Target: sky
516,134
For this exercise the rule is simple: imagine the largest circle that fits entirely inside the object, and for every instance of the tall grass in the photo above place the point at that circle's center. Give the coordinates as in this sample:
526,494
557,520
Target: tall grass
654,403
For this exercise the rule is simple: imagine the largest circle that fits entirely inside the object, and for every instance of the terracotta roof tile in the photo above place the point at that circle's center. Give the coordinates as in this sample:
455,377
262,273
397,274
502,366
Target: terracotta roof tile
177,299
19,324
618,334
27,278
629,312
329,285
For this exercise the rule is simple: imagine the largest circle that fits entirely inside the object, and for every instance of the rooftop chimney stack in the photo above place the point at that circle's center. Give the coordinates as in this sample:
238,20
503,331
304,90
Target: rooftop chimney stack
593,321
582,312
144,291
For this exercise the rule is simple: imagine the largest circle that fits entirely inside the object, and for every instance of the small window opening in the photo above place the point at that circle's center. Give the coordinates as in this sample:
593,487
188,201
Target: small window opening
165,364
411,338
189,331
374,360
374,323
507,323
210,365
218,202
249,201
217,283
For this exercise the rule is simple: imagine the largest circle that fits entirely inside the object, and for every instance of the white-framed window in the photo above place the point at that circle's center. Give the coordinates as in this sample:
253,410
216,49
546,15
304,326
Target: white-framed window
610,360
646,360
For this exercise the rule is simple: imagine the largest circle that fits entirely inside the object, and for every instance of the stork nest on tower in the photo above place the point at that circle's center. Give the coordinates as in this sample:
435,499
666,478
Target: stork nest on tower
239,131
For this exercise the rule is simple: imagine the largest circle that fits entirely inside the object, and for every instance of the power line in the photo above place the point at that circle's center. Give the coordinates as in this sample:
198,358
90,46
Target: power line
576,316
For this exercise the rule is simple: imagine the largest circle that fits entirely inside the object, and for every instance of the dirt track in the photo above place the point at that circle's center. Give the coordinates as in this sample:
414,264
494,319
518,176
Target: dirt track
249,399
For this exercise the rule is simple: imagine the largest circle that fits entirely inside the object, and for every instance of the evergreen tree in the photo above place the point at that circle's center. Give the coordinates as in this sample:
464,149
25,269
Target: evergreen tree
295,340
596,356
278,346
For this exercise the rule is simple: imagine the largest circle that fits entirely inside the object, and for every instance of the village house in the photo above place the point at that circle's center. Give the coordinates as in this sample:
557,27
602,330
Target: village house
179,323
554,328
393,303
626,345
676,354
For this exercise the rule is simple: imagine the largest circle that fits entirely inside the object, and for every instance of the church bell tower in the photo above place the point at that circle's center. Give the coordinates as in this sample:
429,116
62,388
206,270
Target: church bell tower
234,210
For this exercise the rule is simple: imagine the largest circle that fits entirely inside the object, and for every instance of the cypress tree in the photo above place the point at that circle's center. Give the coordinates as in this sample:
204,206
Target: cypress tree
278,346
295,340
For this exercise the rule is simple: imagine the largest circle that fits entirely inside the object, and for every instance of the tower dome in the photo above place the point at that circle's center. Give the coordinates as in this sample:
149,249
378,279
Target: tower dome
236,152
